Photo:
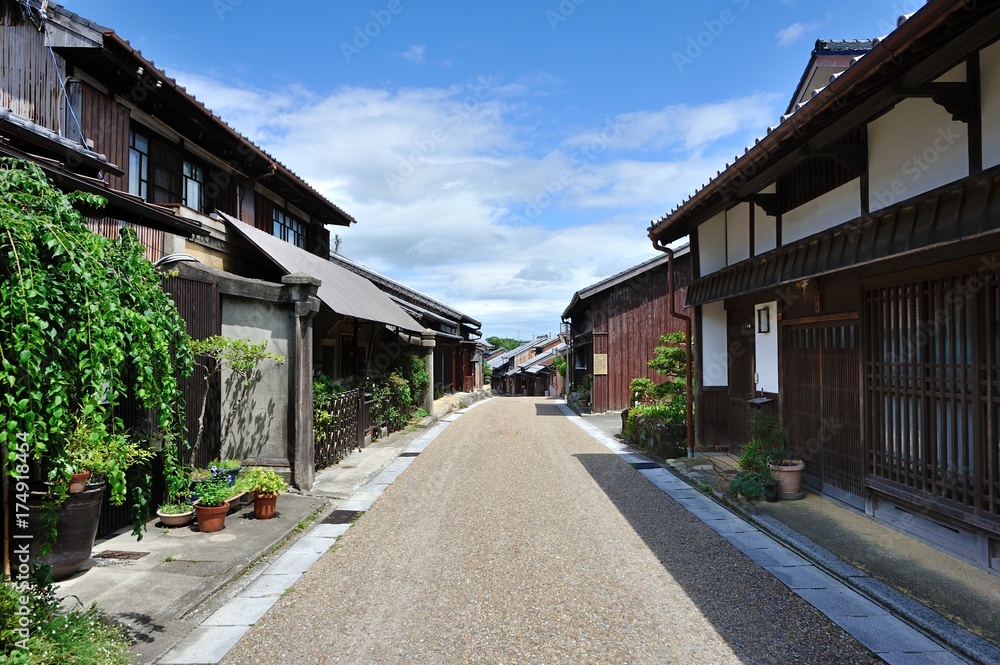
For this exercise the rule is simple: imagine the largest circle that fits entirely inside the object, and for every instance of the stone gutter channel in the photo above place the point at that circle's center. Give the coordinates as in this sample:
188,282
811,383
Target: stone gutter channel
893,626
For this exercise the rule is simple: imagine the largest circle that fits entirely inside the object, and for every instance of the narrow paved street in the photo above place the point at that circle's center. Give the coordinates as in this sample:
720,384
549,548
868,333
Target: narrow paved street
516,538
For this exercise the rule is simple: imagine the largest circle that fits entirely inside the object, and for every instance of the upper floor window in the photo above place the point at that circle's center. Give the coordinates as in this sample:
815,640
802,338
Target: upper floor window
194,186
138,165
288,228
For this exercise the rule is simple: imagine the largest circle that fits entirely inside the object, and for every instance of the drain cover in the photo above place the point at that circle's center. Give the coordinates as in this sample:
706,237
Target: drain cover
120,554
408,454
342,517
644,465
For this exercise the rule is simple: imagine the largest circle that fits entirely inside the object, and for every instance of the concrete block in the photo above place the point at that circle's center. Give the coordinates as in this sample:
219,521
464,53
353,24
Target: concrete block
207,644
887,634
270,585
241,611
292,563
840,602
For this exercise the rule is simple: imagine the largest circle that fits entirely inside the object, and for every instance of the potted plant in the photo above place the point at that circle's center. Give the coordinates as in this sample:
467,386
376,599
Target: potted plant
175,514
754,480
772,438
88,334
212,504
228,468
265,485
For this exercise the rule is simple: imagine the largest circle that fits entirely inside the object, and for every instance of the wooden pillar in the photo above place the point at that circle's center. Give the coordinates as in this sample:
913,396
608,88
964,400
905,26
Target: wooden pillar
302,294
427,341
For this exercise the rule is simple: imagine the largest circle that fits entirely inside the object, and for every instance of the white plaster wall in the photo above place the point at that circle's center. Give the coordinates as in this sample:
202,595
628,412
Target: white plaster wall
260,429
766,350
738,233
913,149
764,231
835,207
715,358
954,75
989,64
712,244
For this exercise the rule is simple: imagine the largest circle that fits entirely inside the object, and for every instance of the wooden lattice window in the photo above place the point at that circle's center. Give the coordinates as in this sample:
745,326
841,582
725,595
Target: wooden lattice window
932,384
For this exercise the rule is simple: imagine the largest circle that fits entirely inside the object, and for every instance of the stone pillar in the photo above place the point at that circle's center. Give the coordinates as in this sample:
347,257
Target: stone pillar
301,292
427,341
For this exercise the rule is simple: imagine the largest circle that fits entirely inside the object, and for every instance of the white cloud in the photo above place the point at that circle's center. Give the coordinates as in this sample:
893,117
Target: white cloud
454,199
414,53
794,32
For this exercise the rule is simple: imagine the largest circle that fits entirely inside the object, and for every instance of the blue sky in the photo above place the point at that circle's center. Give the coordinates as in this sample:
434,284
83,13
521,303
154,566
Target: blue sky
498,156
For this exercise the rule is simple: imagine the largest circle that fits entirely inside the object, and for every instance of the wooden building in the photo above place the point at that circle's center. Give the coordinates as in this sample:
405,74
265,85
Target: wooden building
510,375
457,351
846,266
616,323
251,236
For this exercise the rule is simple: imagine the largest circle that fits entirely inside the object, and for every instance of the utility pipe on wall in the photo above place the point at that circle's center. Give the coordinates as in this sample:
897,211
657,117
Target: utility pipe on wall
687,346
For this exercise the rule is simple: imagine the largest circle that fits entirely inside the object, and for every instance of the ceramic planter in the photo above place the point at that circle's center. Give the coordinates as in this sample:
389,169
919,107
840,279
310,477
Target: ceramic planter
264,505
211,518
789,475
175,519
76,524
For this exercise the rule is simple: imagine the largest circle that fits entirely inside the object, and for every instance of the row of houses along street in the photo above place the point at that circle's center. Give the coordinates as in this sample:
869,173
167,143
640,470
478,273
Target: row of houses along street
840,274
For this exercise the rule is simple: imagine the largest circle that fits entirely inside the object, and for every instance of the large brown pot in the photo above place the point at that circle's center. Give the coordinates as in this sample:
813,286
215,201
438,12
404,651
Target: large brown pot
77,520
789,475
264,505
211,518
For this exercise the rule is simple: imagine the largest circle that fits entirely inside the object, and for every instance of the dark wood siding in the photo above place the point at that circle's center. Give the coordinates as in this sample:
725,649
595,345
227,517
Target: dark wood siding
199,305
821,404
29,80
106,123
628,321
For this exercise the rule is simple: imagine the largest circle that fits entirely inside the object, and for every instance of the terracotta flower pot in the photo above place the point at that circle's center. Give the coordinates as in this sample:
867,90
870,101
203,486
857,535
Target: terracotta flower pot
264,505
211,518
78,482
789,475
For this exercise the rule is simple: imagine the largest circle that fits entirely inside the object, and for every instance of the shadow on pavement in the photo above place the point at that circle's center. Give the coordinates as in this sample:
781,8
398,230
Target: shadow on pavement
758,617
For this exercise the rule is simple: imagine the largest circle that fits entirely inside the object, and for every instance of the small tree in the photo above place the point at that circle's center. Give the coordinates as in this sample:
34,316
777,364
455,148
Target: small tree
242,357
666,400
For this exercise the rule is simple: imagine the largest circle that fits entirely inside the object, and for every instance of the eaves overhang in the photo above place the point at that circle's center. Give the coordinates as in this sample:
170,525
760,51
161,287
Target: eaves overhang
120,205
875,82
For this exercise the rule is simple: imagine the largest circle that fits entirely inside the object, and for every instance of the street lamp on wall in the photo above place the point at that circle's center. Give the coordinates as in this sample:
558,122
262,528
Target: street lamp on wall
764,320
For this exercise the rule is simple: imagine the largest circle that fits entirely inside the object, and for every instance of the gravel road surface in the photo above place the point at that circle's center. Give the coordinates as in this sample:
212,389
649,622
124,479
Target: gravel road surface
516,538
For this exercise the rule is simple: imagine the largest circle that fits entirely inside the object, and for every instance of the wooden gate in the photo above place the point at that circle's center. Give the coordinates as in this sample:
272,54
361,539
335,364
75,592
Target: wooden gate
821,402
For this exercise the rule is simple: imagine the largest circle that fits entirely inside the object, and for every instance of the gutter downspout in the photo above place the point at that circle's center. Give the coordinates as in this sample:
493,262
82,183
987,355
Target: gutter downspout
687,346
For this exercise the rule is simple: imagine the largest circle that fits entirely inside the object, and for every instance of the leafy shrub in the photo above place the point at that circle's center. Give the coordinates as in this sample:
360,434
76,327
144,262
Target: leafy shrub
214,492
51,636
751,484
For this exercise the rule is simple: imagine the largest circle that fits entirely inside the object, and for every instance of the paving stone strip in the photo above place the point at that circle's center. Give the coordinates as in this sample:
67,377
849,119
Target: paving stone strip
210,642
890,638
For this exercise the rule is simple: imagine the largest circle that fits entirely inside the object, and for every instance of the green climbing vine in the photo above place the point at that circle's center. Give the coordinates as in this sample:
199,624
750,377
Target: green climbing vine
85,326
